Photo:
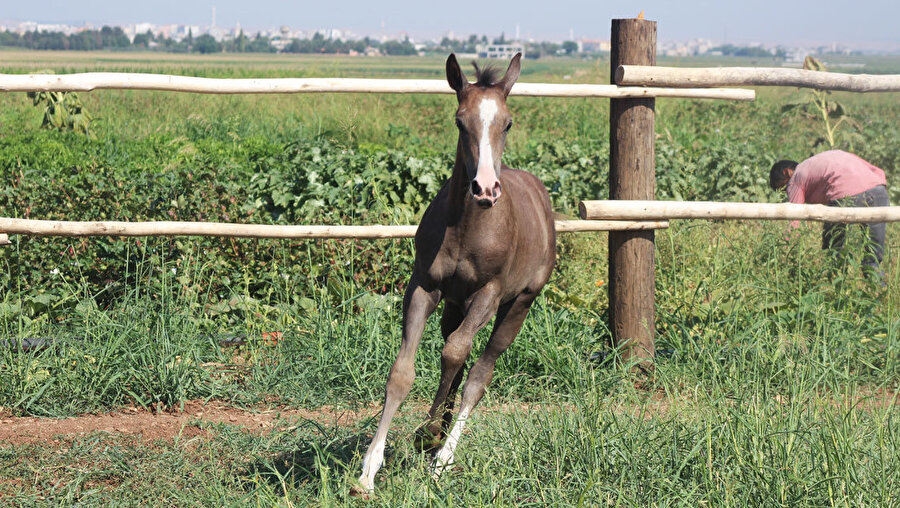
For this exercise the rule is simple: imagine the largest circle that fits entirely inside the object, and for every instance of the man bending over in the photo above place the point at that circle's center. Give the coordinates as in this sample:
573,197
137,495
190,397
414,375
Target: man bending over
837,178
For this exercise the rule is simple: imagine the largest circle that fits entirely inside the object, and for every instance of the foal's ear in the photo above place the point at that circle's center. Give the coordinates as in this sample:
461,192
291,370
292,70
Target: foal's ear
512,74
455,75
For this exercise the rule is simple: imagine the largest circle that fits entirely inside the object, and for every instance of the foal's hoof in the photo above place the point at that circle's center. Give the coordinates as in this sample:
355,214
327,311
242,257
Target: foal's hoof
360,492
428,437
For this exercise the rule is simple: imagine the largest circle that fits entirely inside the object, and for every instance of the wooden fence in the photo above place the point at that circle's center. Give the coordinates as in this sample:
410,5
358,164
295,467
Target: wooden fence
754,76
123,81
631,216
666,210
167,228
632,172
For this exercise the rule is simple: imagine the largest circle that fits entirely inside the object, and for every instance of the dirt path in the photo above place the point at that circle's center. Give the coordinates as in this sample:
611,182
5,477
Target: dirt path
150,426
189,422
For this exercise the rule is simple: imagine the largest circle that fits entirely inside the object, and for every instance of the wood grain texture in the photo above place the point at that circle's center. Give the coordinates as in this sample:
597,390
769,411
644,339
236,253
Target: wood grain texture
677,77
632,175
86,82
164,228
667,210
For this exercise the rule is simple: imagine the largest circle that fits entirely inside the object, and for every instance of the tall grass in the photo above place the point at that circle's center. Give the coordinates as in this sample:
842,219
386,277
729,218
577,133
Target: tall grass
775,381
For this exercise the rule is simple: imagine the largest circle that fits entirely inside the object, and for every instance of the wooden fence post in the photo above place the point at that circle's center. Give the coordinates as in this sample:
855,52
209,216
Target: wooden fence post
632,175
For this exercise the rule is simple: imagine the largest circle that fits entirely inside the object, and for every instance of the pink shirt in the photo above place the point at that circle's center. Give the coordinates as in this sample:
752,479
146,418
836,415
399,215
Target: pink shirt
832,175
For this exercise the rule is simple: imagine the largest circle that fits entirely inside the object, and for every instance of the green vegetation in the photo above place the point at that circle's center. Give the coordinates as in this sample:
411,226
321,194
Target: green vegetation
62,111
105,38
748,51
777,372
820,107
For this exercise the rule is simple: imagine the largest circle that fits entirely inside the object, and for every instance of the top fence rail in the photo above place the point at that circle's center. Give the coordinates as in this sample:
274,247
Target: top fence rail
85,82
639,75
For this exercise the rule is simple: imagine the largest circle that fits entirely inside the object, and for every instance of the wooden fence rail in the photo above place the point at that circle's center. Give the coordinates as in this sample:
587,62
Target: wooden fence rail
677,77
166,228
85,82
665,210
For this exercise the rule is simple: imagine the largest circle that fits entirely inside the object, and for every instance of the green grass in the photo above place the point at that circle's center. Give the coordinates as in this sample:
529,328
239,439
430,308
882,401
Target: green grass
777,372
733,453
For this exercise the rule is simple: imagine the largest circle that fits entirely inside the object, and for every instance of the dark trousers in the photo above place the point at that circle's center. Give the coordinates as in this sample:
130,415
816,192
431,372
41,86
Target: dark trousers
833,232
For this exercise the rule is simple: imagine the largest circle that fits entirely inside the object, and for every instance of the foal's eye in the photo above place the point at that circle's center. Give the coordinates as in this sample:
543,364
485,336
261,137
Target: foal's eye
508,126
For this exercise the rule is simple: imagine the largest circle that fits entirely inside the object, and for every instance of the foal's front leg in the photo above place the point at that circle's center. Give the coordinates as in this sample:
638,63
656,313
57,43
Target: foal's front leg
430,434
459,331
418,304
509,321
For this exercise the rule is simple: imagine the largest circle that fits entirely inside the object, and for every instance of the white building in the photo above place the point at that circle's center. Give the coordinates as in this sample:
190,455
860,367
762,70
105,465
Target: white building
593,46
499,51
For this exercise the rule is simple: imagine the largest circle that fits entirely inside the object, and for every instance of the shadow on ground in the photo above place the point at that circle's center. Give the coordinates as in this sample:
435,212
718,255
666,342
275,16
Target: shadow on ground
324,450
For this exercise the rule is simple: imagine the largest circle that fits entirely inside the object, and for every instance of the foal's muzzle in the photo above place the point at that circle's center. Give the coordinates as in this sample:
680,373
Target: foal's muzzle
486,197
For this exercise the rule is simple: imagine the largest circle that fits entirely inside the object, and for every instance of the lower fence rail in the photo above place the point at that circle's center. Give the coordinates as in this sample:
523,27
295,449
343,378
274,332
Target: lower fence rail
166,228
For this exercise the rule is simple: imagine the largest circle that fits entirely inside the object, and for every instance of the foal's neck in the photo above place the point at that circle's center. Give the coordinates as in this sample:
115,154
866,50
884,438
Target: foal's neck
459,182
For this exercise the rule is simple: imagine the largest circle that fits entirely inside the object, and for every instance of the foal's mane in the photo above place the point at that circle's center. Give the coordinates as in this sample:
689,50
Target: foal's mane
486,76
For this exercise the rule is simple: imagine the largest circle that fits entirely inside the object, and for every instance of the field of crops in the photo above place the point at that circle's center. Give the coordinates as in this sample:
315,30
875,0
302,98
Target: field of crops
777,371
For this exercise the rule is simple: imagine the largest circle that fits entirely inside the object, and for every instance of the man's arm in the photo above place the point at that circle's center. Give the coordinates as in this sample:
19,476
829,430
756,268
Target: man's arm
796,194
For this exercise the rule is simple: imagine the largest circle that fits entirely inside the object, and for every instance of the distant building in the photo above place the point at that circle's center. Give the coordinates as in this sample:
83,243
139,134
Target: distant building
500,51
593,46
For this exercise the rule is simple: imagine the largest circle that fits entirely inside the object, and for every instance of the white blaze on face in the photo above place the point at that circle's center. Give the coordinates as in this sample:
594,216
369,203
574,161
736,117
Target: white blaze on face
487,112
485,175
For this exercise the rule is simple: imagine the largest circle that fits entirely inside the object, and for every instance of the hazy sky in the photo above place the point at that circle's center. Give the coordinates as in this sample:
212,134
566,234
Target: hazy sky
861,23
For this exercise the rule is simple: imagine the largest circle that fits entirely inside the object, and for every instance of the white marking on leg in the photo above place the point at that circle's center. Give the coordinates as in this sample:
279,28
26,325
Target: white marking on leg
372,462
444,457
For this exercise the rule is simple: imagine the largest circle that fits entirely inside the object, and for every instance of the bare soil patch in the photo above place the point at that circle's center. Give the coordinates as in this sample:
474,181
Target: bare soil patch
149,426
194,418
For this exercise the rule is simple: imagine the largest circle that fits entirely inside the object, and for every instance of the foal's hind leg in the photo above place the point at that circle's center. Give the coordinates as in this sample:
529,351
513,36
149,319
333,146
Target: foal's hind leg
509,321
418,304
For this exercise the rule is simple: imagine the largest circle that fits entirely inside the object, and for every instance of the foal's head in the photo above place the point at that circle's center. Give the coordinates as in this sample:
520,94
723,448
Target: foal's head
483,121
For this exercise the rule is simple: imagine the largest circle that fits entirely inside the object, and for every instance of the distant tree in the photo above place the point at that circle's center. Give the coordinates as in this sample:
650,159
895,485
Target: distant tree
8,38
141,41
570,47
501,39
732,50
207,44
173,46
541,49
260,44
399,48
83,41
113,37
241,42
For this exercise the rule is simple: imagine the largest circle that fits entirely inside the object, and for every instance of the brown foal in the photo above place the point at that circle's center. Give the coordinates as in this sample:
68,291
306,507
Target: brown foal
486,246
